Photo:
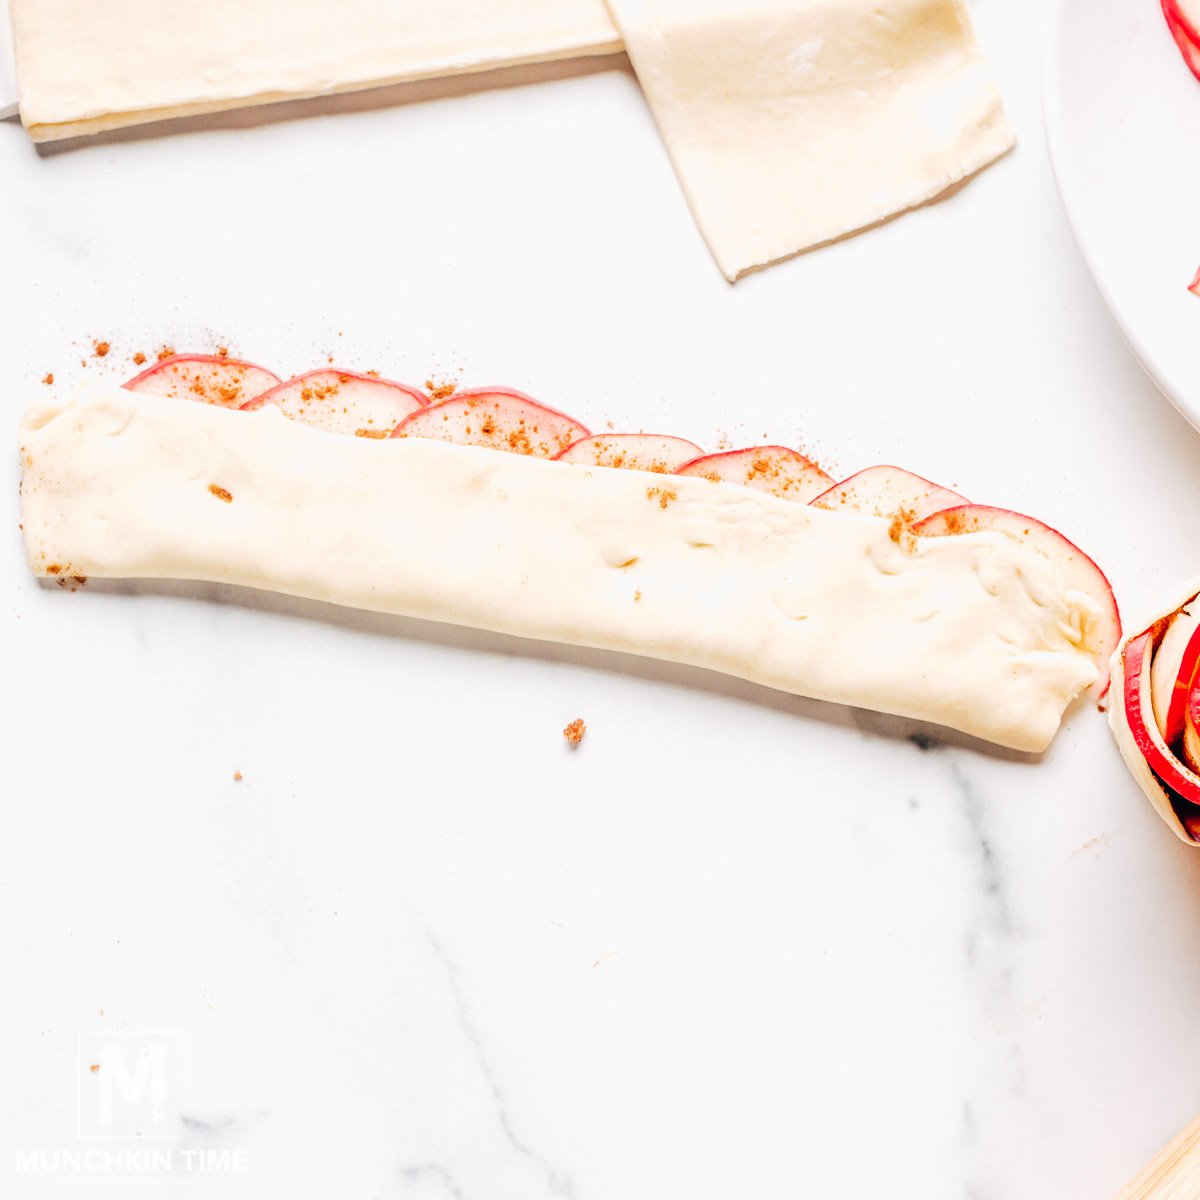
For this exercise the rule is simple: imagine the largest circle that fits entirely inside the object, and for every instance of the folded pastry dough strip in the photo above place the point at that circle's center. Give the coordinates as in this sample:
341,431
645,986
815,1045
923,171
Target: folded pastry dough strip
971,631
86,66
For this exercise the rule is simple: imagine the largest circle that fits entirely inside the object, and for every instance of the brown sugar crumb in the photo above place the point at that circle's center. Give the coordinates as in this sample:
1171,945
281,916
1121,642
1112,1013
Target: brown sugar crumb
371,433
372,374
237,777
166,352
664,496
79,580
222,351
139,358
575,731
637,595
518,441
48,379
56,569
439,391
221,493
900,530
94,1068
101,349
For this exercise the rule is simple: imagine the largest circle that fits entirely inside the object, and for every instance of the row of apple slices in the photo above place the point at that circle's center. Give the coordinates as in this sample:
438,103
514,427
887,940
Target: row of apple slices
1162,707
345,402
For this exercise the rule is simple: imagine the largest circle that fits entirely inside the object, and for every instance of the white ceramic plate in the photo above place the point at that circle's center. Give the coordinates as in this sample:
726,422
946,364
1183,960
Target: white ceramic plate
1123,125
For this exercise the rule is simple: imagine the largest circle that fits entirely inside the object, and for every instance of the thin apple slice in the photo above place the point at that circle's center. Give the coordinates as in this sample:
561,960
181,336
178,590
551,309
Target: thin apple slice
1139,713
1190,742
889,492
774,469
1075,569
497,418
1172,671
633,451
1184,24
1186,15
342,402
1194,286
225,382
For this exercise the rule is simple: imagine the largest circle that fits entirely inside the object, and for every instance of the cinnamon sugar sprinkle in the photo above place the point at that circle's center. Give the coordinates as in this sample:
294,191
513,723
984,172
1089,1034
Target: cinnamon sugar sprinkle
439,391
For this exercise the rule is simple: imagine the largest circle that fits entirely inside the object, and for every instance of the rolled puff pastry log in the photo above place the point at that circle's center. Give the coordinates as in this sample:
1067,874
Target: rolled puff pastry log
1165,802
971,631
793,122
84,66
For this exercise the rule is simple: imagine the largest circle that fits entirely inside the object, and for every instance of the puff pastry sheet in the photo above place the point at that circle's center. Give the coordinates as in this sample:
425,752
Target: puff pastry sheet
794,122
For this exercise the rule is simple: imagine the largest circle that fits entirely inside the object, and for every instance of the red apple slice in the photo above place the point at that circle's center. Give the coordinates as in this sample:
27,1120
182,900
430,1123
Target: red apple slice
633,451
774,469
1190,743
1076,570
342,402
1184,14
889,492
1172,671
1139,713
1184,24
1194,286
225,382
498,418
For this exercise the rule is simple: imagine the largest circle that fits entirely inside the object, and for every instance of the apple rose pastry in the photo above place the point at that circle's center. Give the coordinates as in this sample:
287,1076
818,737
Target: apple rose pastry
1155,714
486,508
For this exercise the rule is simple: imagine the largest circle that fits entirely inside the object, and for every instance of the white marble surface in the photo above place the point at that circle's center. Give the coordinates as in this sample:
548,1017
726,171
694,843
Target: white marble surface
737,945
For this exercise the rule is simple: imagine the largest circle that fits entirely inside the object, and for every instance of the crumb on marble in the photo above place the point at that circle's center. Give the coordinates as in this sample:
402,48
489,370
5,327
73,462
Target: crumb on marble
101,348
139,358
48,379
237,777
221,493
439,391
574,732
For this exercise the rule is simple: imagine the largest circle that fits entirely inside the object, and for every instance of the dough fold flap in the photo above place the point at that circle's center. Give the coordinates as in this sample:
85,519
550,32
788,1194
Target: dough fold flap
85,66
972,631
